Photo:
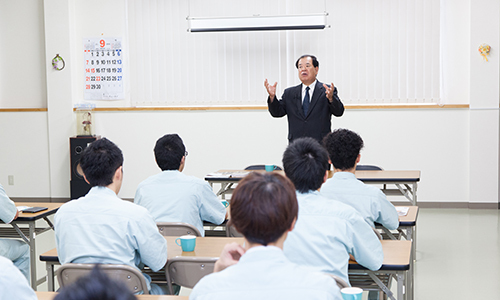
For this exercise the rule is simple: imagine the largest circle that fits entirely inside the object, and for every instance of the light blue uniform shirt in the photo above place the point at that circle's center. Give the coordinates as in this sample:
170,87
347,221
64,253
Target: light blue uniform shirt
326,232
8,209
13,285
15,250
368,200
265,273
172,196
102,228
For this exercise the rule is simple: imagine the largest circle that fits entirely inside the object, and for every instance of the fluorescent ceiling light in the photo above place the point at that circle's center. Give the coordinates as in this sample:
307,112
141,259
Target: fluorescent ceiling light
257,23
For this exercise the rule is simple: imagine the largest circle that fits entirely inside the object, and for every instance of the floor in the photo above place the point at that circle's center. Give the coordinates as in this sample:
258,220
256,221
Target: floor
458,254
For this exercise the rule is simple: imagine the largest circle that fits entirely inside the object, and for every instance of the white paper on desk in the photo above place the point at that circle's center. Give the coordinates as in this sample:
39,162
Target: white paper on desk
19,208
239,174
402,210
219,175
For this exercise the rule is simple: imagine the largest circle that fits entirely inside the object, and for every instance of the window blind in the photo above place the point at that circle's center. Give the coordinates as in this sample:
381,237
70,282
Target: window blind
375,51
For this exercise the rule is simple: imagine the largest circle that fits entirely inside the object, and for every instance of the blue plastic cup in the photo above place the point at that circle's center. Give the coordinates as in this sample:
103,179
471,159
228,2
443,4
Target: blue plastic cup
351,293
269,168
188,242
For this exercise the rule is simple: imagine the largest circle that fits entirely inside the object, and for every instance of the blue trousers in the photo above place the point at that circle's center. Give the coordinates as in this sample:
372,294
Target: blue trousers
19,253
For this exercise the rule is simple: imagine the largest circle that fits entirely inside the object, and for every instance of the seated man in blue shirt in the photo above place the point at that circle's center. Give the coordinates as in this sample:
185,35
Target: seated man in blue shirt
171,196
327,231
264,210
102,228
15,250
344,148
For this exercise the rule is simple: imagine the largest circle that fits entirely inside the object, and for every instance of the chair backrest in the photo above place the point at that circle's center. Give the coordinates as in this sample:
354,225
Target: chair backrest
187,271
177,229
340,282
368,168
378,234
232,232
262,167
133,278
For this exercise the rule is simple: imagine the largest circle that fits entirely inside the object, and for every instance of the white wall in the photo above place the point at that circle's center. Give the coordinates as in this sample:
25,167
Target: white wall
434,141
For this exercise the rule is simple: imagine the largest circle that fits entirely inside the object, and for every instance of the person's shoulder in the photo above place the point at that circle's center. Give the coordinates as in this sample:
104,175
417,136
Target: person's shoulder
293,88
153,179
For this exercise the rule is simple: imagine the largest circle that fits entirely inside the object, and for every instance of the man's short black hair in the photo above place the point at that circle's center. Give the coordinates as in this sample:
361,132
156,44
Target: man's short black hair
169,150
343,146
314,59
305,162
96,285
99,162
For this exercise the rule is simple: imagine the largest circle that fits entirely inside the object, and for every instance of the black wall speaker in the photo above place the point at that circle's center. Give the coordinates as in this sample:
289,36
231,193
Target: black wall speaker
79,187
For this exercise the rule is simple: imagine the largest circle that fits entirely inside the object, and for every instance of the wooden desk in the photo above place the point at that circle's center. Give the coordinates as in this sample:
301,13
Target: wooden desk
51,295
205,247
407,229
405,181
397,261
29,233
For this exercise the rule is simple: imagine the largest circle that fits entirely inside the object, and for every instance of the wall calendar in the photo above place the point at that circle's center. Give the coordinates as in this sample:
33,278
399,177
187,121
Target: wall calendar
103,66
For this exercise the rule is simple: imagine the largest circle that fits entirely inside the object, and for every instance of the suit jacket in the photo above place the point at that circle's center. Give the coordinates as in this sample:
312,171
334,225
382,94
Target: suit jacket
317,123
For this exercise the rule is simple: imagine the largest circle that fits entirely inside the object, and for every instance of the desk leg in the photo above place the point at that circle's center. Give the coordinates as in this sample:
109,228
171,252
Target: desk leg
50,276
401,279
31,239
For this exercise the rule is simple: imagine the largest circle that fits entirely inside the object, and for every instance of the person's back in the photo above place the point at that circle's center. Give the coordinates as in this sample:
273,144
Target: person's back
172,196
13,285
327,232
344,148
368,200
264,210
102,228
277,278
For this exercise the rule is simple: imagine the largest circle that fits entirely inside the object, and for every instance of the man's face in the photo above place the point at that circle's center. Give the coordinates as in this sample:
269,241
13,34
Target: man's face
307,72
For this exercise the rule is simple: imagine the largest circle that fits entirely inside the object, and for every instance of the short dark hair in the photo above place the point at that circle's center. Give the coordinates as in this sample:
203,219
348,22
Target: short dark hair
99,162
169,150
314,59
343,148
263,207
96,285
305,162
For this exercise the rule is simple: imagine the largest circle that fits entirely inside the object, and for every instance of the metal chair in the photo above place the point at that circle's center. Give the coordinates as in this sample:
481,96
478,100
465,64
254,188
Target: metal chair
133,278
262,167
368,168
187,271
177,229
340,282
232,232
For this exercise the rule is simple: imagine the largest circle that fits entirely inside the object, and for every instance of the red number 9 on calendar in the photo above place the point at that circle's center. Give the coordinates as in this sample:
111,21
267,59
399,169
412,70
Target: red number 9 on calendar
102,43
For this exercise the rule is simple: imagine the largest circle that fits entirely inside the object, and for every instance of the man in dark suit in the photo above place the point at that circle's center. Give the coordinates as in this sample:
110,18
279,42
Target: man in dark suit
309,106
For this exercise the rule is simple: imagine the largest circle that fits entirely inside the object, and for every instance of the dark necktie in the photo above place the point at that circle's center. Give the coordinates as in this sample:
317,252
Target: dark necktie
305,104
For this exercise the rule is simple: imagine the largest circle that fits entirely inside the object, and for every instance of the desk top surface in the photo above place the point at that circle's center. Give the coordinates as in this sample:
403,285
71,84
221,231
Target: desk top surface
396,253
411,217
51,295
366,176
396,256
52,209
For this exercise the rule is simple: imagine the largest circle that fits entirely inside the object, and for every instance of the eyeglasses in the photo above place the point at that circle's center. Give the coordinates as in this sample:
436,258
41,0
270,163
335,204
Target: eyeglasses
186,153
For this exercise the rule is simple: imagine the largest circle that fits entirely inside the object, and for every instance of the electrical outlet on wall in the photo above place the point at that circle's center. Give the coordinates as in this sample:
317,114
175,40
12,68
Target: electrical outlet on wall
11,179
